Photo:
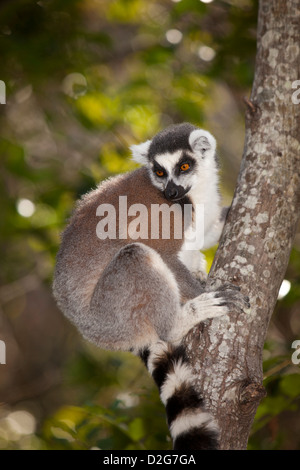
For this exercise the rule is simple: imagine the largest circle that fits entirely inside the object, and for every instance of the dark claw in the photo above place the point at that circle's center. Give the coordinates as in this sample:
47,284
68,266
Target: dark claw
232,296
227,286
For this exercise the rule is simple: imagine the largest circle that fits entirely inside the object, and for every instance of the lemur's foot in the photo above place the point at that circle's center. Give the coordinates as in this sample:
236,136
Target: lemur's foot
232,296
212,304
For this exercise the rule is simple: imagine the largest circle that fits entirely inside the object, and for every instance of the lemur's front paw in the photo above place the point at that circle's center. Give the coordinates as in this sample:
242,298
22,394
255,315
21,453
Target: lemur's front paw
200,275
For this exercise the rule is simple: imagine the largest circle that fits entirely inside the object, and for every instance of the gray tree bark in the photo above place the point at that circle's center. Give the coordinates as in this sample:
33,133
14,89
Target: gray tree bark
255,246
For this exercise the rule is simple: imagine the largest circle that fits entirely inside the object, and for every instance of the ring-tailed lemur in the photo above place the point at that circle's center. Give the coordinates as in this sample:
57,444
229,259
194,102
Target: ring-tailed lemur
128,292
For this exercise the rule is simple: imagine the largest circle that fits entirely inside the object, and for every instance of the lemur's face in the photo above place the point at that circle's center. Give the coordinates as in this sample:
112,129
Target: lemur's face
174,173
178,159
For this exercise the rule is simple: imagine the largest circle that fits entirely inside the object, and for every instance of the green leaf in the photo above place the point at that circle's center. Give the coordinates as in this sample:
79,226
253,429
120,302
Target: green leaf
136,429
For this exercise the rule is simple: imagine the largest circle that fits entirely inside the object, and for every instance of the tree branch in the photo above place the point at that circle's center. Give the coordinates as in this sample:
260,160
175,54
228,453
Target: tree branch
257,239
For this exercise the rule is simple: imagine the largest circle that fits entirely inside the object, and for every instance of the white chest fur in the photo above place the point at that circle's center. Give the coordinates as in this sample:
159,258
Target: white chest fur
205,198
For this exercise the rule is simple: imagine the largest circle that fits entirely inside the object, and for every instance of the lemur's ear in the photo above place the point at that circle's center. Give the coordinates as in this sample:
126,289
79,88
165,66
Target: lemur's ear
140,152
203,143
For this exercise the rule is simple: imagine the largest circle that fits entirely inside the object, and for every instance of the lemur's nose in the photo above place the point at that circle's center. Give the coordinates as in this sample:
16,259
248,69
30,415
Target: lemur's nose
171,191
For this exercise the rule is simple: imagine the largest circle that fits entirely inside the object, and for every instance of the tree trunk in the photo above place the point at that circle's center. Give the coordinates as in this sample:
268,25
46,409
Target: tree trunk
255,246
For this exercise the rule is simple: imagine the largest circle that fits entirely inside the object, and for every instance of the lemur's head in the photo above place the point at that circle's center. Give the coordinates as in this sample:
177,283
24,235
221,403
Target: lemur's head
178,159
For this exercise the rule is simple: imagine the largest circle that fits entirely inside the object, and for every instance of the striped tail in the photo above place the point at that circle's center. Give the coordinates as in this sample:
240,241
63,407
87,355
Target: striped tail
191,427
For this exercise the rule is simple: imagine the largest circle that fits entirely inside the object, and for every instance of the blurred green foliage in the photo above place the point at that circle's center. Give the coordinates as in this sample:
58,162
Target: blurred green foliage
118,408
86,79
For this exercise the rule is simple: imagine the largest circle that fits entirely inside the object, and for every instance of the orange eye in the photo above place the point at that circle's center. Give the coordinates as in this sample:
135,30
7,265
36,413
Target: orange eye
160,173
184,167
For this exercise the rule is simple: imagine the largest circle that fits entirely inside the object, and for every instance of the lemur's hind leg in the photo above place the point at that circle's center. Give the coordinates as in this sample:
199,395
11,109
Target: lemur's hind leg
135,300
190,287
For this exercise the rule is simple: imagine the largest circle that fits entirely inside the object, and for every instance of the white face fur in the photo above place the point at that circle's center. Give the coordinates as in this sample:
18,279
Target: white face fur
179,172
